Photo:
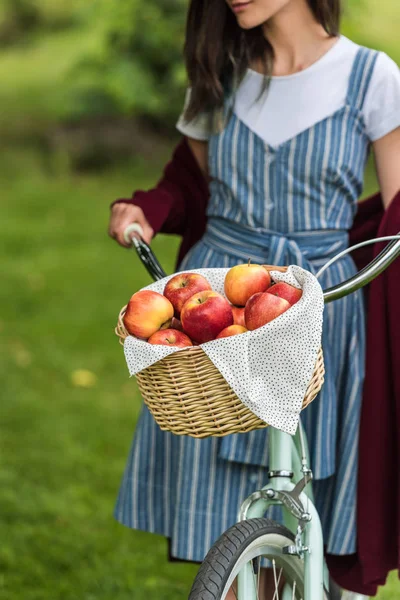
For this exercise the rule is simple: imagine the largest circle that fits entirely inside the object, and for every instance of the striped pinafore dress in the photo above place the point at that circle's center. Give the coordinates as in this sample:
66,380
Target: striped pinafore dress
292,204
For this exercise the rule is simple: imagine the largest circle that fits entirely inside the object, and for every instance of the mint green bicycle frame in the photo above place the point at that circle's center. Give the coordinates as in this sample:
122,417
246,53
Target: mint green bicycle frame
285,458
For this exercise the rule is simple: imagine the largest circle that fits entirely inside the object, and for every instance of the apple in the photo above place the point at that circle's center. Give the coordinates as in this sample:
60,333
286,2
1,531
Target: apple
262,308
170,337
242,281
205,315
183,286
231,330
286,291
238,315
146,313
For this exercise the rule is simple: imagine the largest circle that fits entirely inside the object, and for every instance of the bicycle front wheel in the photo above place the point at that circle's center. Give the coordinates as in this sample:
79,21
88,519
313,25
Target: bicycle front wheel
248,542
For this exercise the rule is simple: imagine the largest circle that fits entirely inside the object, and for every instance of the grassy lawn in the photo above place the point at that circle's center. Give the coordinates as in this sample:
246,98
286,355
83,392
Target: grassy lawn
65,434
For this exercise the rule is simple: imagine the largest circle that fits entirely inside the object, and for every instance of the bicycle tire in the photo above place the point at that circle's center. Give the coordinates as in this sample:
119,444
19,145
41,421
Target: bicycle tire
238,545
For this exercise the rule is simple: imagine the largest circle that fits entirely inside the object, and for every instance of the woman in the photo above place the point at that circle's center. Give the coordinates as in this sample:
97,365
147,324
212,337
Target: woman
280,116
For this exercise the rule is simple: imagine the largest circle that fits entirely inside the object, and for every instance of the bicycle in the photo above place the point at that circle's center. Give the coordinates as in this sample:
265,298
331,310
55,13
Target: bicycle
295,550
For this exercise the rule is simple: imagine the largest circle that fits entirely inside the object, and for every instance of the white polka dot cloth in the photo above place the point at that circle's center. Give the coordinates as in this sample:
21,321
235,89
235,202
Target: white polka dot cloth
269,368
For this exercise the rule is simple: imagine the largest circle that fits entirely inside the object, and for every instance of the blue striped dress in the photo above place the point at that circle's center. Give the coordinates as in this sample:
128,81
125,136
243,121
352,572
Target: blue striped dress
292,204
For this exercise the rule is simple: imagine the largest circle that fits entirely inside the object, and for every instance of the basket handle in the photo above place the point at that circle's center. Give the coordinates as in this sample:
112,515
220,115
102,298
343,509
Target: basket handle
133,234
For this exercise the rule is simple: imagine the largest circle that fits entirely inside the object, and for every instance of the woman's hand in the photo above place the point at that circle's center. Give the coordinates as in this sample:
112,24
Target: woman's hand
387,161
124,214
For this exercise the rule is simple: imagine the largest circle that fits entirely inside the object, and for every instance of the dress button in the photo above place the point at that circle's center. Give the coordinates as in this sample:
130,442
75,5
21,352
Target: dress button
253,478
269,205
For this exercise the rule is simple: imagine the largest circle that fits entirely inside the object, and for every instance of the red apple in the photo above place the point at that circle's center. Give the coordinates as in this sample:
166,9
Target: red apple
182,287
146,313
263,308
170,337
238,315
286,291
205,315
231,330
242,281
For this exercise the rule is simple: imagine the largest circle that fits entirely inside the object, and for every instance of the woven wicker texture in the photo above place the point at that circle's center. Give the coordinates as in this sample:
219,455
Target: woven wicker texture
187,395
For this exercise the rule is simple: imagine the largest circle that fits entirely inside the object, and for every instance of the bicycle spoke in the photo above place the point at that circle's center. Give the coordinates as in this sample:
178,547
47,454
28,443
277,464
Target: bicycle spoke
258,577
294,590
276,581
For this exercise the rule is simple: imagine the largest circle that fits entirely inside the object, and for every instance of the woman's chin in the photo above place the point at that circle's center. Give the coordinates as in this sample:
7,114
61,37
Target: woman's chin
248,22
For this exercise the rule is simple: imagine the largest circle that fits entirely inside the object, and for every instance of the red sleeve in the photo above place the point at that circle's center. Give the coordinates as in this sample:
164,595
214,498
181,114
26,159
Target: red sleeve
164,206
365,227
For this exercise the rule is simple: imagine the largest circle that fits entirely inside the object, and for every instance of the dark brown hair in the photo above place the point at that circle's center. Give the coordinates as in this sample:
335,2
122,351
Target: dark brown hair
218,52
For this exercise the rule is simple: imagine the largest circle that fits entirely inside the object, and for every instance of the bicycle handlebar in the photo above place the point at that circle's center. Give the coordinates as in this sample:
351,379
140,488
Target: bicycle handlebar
379,264
359,280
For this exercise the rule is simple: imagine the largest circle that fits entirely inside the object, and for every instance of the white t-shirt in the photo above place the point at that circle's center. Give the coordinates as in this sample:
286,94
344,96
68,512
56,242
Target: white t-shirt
293,103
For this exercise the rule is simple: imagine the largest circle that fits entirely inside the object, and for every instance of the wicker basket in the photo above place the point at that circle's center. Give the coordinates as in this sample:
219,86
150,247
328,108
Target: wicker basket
187,395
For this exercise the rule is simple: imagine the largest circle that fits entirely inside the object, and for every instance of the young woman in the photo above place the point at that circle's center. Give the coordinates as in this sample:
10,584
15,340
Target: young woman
280,116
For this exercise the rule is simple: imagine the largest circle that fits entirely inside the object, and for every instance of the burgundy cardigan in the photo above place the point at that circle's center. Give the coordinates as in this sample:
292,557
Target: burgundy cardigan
178,205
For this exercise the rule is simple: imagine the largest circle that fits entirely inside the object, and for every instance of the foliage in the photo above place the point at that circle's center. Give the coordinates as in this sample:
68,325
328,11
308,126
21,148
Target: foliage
138,69
18,18
21,18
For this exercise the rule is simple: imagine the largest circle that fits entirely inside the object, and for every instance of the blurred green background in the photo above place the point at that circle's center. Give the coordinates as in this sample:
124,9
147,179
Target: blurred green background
89,94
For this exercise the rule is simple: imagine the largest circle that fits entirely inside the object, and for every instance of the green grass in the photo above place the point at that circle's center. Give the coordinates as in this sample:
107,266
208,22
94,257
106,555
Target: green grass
64,445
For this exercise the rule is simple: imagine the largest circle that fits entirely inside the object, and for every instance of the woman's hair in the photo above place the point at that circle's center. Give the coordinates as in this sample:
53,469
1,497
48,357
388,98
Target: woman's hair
218,52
